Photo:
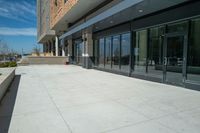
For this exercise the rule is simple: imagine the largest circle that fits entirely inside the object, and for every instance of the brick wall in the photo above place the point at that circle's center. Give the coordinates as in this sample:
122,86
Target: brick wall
57,12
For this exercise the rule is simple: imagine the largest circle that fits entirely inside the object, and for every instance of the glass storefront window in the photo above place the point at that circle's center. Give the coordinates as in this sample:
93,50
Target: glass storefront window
140,52
116,52
125,51
155,52
101,53
193,69
108,52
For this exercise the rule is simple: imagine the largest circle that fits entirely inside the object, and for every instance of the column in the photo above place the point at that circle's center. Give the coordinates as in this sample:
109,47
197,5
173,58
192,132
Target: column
56,45
63,47
63,50
88,46
44,48
52,48
47,49
70,52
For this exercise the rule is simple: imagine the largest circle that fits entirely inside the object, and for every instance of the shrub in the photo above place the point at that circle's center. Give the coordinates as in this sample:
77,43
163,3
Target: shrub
12,64
8,64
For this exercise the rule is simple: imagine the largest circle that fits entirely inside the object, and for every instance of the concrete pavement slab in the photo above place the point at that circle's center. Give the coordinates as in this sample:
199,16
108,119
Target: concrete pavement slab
70,99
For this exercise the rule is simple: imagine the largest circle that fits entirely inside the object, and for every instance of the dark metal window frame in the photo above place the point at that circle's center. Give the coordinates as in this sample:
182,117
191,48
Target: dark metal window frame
188,33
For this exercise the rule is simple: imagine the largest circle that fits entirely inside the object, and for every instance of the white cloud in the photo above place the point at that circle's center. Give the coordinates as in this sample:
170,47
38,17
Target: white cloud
18,10
3,10
18,31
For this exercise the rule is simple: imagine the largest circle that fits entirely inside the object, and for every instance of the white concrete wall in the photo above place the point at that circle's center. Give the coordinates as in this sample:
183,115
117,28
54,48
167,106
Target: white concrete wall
48,60
5,80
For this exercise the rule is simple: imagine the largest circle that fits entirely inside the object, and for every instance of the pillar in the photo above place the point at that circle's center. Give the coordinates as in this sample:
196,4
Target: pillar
56,46
53,47
44,48
47,49
88,48
70,52
63,47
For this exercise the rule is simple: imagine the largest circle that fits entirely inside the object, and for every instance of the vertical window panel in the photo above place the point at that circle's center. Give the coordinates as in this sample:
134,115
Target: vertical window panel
193,70
108,52
116,52
101,53
140,52
155,56
125,52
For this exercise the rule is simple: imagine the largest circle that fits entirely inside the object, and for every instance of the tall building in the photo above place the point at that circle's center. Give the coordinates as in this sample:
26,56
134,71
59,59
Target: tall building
157,40
45,35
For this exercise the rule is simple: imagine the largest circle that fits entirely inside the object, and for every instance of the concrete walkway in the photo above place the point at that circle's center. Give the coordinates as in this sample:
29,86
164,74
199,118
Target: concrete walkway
69,99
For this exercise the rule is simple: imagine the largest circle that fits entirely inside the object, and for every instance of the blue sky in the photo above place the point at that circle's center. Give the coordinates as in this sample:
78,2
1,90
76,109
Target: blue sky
18,24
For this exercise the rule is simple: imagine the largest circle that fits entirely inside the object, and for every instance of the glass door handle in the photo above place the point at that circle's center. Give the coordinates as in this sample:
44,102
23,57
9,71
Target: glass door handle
165,61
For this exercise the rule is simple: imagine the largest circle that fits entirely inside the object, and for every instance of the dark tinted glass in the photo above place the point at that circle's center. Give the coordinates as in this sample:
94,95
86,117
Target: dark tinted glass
140,52
155,56
108,52
125,52
101,52
116,52
78,51
194,52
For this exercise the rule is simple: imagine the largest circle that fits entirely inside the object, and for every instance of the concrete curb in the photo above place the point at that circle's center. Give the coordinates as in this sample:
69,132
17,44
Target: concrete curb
5,81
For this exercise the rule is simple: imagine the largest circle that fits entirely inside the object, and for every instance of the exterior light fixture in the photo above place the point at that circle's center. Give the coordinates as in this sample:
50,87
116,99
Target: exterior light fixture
140,10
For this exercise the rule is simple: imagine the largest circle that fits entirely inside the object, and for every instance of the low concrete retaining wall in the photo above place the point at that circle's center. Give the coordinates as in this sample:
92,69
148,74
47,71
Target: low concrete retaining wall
6,78
48,60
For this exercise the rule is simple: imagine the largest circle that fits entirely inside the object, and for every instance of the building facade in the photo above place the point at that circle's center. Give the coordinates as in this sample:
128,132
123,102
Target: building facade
45,35
148,39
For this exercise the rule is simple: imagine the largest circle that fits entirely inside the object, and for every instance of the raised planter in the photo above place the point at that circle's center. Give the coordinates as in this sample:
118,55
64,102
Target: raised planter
49,60
6,79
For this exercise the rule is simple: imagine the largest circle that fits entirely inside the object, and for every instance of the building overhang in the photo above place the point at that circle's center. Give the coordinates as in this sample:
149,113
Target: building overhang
46,37
122,12
108,13
76,11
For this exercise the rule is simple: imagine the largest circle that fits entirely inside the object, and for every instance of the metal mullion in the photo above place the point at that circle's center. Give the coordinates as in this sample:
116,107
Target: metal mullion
120,51
148,43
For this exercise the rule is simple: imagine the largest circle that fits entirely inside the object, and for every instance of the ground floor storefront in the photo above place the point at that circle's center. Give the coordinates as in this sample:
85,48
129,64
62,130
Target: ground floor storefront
162,47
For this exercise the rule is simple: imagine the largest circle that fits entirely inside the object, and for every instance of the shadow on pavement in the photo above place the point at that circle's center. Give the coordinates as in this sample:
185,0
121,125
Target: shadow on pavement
7,105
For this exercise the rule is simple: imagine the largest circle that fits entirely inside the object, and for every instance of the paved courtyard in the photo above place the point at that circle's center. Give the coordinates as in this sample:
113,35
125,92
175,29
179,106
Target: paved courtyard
69,99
